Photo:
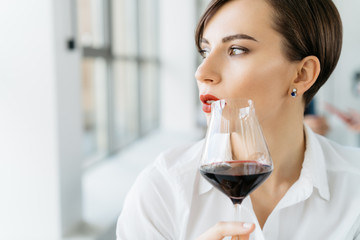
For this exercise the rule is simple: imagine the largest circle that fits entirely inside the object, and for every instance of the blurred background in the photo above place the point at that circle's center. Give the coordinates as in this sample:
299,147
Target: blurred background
92,90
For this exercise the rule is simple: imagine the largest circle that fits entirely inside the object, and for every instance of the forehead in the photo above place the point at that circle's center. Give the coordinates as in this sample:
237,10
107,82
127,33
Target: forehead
252,17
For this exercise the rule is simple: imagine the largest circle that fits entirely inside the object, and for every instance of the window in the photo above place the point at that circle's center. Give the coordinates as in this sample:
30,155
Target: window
120,68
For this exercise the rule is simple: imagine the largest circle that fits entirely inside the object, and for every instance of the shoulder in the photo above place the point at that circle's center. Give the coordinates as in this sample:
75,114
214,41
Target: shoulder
157,199
339,157
179,159
166,173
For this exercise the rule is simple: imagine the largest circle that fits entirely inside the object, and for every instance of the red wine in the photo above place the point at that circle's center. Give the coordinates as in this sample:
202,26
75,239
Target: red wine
236,179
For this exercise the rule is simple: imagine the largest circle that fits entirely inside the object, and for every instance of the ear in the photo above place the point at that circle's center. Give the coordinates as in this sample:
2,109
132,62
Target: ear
308,71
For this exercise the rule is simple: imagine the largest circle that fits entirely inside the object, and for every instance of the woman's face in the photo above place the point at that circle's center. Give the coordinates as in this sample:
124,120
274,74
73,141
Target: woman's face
243,58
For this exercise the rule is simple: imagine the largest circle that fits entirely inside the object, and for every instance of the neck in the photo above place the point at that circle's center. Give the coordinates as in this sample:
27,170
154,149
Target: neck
286,142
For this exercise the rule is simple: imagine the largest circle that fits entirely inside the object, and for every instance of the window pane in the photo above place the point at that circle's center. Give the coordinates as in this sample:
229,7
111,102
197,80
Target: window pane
118,106
91,23
149,97
94,87
124,27
126,104
148,13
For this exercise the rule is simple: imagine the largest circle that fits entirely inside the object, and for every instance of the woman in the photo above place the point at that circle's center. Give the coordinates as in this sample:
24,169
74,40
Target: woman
277,53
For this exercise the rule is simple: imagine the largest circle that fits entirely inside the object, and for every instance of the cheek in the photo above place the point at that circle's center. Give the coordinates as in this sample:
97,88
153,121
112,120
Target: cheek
271,78
251,80
267,84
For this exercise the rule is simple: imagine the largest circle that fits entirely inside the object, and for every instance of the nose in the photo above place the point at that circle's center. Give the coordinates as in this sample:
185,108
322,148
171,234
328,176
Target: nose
208,71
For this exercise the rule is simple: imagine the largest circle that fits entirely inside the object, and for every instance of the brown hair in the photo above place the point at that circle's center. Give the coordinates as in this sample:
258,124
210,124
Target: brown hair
308,27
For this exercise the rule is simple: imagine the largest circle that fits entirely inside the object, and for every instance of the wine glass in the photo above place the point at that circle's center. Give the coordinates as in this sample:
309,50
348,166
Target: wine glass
235,158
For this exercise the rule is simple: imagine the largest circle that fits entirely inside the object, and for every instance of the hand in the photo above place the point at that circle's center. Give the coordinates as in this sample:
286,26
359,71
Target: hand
223,229
317,123
350,118
354,122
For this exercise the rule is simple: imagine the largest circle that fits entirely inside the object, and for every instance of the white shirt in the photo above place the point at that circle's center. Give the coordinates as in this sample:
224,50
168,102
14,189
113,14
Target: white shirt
170,200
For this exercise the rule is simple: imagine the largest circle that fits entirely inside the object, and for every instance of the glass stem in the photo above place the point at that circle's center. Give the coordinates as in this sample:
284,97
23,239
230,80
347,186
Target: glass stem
237,216
237,212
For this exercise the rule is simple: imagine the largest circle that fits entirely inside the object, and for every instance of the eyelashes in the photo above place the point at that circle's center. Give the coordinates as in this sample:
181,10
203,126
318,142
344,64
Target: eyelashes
232,51
204,53
238,50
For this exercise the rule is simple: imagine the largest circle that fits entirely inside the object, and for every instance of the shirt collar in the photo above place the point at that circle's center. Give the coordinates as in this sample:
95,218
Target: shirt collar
314,161
314,165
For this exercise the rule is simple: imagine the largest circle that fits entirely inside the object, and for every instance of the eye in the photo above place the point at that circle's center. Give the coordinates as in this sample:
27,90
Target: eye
204,52
237,50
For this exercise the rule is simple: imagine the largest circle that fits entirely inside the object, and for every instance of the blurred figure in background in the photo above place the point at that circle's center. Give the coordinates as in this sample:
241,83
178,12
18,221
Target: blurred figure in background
354,122
351,118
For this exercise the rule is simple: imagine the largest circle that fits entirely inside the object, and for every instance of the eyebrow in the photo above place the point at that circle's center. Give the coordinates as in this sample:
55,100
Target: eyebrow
238,36
232,37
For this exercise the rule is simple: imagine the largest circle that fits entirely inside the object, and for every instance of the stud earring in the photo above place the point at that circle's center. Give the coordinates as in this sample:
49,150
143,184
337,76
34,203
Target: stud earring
293,93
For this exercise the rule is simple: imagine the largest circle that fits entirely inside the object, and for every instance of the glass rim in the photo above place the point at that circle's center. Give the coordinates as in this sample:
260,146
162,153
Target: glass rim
239,103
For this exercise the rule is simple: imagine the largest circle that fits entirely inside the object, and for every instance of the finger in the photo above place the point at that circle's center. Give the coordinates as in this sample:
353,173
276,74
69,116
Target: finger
223,229
234,228
246,237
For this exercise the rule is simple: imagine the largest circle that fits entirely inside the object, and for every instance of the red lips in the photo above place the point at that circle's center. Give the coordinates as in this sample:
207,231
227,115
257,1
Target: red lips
207,105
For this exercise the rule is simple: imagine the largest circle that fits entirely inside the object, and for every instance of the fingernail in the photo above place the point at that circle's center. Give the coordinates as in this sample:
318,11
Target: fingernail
247,225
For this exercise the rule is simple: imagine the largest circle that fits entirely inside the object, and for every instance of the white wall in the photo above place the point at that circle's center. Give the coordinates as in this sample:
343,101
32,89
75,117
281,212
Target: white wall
39,145
69,111
29,177
178,85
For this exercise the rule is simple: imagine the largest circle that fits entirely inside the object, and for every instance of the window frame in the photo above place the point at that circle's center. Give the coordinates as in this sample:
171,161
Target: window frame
107,53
